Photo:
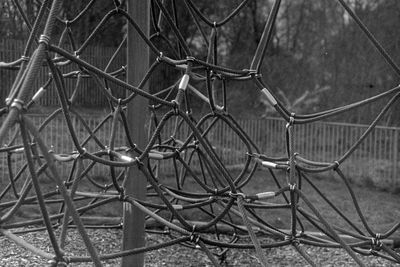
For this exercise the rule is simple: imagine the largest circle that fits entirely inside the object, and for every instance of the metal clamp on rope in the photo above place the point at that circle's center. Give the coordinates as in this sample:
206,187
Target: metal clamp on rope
18,150
38,94
25,58
190,59
159,58
292,187
184,82
175,107
291,120
269,164
83,153
273,165
126,158
194,238
44,39
76,54
236,195
289,237
252,73
156,156
18,104
270,98
265,195
337,164
192,234
177,207
376,244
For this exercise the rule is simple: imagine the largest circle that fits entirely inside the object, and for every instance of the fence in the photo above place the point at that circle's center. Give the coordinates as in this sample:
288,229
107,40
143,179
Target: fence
88,95
374,162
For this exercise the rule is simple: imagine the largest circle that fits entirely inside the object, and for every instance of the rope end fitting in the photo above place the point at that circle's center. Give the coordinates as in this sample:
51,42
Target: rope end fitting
184,82
270,98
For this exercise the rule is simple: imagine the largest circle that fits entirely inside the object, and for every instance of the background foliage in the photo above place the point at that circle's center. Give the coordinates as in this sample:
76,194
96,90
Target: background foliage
318,59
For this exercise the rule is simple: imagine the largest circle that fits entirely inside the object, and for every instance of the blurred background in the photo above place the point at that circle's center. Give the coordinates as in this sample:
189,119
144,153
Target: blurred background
318,59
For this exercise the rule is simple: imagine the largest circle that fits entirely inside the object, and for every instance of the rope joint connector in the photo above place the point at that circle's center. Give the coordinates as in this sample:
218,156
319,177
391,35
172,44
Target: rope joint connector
237,195
337,164
18,104
193,236
25,58
251,72
160,57
139,163
44,39
175,107
291,121
122,196
376,243
190,59
292,187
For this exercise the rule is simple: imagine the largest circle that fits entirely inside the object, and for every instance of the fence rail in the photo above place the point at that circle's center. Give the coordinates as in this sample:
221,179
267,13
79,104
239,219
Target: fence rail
374,162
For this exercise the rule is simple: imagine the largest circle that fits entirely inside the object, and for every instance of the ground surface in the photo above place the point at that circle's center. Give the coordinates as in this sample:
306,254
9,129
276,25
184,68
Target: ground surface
106,240
380,208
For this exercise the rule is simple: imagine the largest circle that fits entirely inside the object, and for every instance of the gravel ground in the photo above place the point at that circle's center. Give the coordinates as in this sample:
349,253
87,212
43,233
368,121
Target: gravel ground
109,240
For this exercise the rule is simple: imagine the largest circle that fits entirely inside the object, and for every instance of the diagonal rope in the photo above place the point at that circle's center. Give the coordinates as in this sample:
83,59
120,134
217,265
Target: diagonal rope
203,184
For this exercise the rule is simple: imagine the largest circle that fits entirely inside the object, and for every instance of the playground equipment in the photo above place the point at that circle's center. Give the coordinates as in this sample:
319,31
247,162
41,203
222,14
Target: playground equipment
202,180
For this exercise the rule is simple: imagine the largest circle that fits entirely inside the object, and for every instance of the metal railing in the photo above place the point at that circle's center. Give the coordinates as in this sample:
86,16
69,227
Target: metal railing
375,162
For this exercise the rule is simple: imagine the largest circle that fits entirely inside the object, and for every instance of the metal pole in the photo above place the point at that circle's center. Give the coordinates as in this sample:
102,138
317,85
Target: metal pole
135,184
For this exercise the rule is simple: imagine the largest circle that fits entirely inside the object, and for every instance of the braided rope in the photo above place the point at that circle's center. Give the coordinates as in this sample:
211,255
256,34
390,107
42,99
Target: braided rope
189,146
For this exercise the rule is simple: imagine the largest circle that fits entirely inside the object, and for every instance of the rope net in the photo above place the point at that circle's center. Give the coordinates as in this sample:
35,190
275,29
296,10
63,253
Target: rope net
202,183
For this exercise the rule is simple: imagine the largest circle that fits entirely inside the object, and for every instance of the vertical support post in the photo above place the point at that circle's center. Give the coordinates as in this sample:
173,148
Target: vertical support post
394,177
135,184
